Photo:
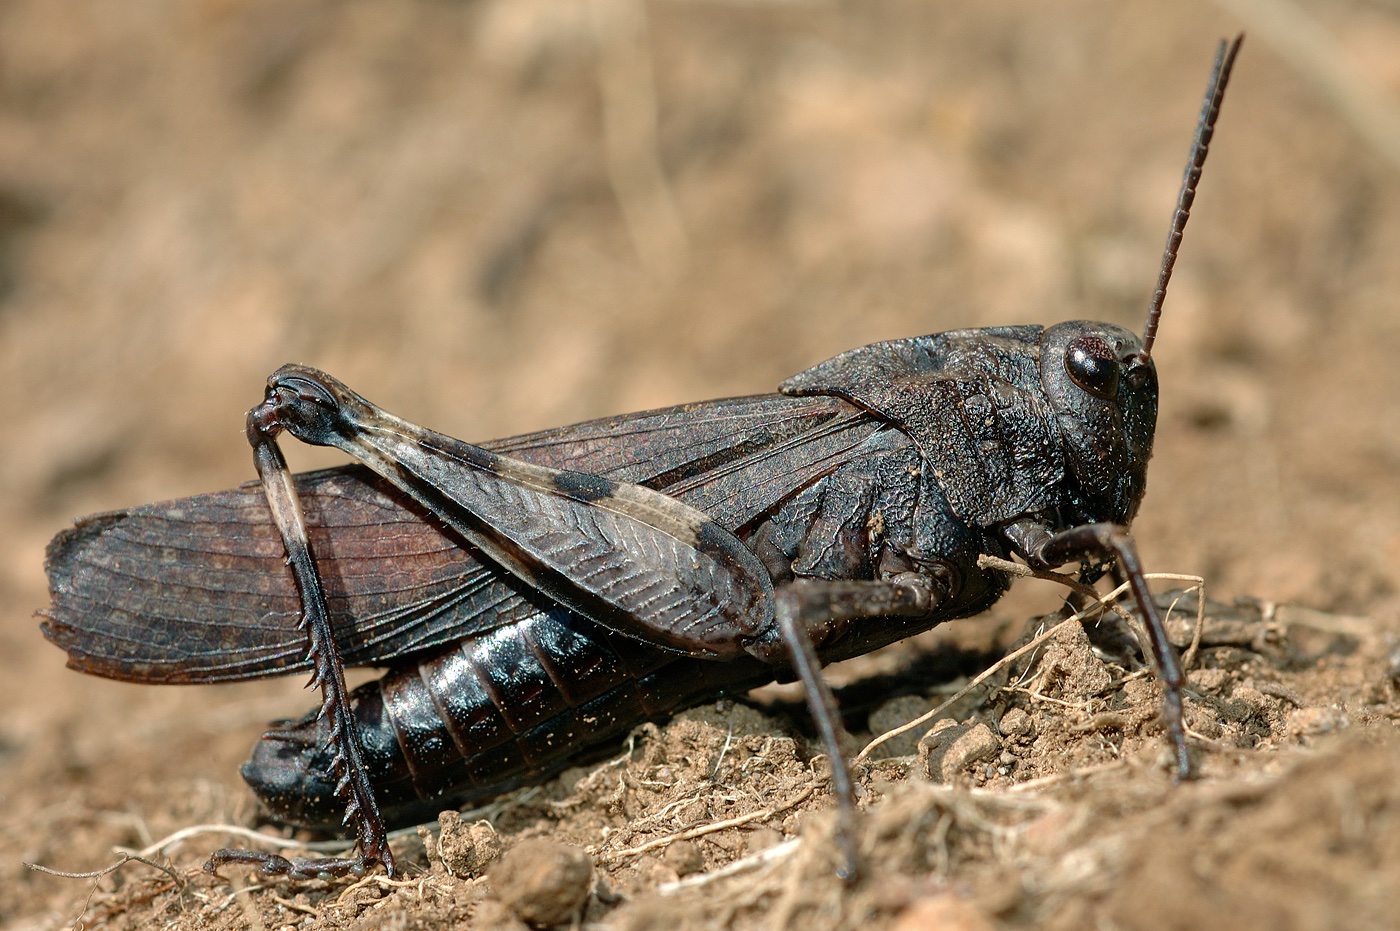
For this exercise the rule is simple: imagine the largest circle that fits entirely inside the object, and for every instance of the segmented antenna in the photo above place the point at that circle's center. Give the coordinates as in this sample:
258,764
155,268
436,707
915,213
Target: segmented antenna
1205,128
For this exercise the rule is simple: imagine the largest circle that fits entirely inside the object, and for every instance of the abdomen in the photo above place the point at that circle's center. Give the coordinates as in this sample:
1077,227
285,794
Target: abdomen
477,719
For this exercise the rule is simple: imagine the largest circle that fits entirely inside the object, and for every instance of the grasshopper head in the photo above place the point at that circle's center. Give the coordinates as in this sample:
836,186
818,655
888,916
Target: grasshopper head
1103,391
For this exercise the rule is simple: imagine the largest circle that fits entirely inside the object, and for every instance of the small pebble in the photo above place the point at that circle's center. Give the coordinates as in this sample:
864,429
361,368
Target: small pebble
950,748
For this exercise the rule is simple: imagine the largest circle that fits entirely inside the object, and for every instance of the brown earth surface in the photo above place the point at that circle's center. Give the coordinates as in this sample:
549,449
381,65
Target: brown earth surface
497,216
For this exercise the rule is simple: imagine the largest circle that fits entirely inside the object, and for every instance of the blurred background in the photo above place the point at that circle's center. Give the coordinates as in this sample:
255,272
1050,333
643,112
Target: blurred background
502,215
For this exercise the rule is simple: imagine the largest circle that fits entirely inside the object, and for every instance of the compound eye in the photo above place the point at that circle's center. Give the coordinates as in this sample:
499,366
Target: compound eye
1092,365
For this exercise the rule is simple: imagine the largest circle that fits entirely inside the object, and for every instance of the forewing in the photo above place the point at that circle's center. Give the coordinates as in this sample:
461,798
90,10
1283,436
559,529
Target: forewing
196,590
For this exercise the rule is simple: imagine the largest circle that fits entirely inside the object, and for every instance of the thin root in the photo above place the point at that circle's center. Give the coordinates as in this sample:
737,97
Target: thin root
175,876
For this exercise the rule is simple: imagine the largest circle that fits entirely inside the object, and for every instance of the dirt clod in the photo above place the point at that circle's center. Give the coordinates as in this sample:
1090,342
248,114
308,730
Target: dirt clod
684,857
543,881
466,849
1016,723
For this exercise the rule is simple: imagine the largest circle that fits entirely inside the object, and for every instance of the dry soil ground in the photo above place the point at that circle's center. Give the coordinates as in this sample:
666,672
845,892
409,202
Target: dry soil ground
503,215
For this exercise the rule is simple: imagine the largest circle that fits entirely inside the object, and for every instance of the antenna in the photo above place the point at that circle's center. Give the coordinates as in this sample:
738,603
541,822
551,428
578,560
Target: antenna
1200,147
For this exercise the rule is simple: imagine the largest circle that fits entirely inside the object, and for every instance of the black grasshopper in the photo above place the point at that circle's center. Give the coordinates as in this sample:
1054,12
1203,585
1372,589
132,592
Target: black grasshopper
535,598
